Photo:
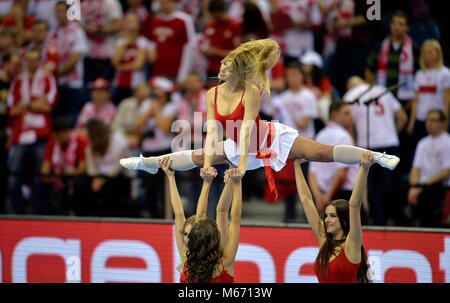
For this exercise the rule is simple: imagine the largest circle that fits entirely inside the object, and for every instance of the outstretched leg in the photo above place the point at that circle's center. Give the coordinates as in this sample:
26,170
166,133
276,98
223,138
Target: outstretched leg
181,160
304,147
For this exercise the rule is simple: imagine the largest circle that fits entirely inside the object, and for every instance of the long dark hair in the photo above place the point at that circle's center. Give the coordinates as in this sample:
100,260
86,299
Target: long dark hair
99,135
204,251
330,245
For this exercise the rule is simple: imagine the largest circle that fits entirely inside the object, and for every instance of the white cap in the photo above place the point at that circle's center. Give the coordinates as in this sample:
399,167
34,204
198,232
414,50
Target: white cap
311,58
162,83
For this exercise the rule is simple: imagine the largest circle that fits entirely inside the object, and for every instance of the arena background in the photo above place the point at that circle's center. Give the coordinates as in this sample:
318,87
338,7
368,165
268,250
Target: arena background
61,249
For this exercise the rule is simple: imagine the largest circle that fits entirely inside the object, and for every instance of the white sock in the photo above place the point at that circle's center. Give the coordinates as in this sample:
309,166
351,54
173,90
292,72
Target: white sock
181,160
348,154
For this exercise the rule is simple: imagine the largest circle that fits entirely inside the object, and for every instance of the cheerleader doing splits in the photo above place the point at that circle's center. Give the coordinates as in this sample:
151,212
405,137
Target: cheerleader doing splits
253,143
207,248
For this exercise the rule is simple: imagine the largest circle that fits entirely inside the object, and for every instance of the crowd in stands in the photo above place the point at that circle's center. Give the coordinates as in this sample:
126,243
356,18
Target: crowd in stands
87,83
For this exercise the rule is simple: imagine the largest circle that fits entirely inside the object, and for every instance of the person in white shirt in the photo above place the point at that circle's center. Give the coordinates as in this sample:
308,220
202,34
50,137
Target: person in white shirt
297,106
108,187
154,122
330,181
430,175
386,120
432,85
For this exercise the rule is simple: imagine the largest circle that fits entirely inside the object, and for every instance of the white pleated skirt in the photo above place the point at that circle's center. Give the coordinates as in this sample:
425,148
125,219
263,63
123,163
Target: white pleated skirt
282,143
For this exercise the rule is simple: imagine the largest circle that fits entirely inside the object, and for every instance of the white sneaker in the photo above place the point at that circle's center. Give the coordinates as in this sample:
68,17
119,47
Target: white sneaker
388,161
135,163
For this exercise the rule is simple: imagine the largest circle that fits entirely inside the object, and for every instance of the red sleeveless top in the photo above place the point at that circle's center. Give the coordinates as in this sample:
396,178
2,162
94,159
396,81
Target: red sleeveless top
237,116
340,270
232,130
224,276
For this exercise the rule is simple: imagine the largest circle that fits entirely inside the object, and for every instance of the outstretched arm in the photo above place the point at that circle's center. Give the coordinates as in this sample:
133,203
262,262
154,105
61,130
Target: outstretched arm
208,174
231,246
176,205
354,238
308,204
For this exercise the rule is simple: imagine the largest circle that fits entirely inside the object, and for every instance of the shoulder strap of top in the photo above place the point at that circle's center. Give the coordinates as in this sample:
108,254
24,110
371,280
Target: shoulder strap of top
215,96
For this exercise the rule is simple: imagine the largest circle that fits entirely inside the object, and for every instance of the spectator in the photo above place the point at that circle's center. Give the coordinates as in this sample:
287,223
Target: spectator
43,10
253,24
192,108
125,119
392,62
297,106
395,60
353,38
423,27
331,181
236,9
154,123
6,42
31,99
429,179
277,79
100,107
174,34
71,42
19,21
317,82
432,85
222,35
386,119
299,37
431,169
137,7
64,162
39,41
129,58
8,71
101,21
109,186
279,22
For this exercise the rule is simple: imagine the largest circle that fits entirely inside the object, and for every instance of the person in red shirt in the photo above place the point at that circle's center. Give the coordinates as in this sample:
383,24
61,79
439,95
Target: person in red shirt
64,161
49,51
174,34
31,98
341,258
222,35
207,248
129,58
19,21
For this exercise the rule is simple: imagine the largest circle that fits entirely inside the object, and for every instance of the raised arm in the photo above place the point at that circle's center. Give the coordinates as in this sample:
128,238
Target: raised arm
231,246
222,210
211,124
177,206
252,104
354,238
208,174
308,204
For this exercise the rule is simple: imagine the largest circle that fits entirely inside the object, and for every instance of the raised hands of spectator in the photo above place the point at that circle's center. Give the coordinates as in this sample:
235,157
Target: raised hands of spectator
208,173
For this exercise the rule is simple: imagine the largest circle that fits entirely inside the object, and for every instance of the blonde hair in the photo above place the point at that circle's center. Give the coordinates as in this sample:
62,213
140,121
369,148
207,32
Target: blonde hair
251,60
434,44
